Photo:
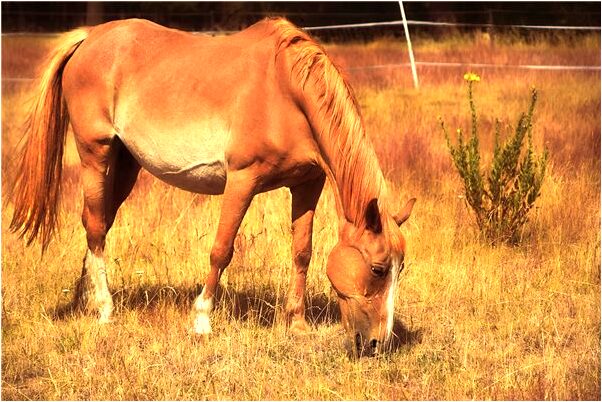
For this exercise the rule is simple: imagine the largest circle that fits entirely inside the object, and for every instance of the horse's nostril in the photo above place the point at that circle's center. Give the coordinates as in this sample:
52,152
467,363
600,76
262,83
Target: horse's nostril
373,343
358,342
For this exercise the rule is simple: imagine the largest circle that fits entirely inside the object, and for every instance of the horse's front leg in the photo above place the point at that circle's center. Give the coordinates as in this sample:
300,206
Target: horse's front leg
239,191
304,200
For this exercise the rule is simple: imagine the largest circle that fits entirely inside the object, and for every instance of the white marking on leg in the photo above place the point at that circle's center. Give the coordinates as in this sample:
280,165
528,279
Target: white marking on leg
101,297
202,307
391,297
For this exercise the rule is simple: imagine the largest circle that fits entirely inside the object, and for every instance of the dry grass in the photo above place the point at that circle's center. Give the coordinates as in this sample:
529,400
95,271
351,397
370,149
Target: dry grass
477,322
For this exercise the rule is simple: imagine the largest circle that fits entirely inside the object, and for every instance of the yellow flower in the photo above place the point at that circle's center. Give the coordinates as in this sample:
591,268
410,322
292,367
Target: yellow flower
472,77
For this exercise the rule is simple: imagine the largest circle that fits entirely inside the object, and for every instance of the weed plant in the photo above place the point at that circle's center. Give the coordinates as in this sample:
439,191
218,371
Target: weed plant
502,200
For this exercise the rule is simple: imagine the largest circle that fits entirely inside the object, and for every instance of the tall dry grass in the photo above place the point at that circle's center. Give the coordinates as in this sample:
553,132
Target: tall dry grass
476,322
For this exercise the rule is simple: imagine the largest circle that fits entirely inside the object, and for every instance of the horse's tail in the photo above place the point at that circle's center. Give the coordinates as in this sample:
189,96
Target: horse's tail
37,185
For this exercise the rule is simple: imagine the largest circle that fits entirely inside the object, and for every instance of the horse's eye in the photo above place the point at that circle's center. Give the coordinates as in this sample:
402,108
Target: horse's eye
378,271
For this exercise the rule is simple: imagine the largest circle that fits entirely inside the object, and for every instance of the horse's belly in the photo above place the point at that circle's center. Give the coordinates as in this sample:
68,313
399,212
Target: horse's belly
206,177
197,165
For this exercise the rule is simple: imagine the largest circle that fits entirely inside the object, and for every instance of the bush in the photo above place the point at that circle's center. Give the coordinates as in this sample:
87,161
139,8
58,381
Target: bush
502,200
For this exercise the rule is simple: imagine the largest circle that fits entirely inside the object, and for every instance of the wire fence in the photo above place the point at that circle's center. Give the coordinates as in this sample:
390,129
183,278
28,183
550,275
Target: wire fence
401,65
453,24
480,65
378,24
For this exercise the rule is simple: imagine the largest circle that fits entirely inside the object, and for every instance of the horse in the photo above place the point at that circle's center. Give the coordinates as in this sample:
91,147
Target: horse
237,115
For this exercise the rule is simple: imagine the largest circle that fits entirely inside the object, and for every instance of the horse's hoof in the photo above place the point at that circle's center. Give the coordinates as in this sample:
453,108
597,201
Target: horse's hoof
106,312
105,320
202,326
200,331
299,328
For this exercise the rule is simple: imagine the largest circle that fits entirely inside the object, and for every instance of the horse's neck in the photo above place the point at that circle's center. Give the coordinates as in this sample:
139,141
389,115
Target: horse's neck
355,171
350,158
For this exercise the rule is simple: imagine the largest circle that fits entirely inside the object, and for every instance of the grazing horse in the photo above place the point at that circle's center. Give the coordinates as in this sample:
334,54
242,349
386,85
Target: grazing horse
237,115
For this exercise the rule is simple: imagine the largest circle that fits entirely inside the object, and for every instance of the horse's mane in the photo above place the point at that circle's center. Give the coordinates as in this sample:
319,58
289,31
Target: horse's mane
339,130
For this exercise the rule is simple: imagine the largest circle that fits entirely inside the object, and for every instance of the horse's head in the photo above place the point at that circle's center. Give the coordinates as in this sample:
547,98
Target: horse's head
363,268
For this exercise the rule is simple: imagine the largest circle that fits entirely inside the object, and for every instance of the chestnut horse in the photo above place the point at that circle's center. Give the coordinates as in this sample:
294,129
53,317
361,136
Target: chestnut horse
236,115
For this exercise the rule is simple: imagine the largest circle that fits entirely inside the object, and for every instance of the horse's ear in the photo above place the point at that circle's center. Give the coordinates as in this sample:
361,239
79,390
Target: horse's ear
373,222
403,216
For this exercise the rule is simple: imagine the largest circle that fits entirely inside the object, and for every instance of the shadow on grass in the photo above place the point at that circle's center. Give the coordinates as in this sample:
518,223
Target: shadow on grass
403,336
262,305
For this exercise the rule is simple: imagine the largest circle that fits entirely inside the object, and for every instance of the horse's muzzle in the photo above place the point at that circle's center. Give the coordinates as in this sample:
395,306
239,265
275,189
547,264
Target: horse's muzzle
369,348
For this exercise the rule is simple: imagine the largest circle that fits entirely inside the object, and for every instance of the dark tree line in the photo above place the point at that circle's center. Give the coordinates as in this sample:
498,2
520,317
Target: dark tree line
61,16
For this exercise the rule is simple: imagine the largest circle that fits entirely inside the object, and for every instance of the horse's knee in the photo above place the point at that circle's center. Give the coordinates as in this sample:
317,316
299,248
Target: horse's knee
221,255
302,260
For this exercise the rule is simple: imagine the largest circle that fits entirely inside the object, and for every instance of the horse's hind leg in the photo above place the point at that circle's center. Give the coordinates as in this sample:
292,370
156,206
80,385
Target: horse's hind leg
108,174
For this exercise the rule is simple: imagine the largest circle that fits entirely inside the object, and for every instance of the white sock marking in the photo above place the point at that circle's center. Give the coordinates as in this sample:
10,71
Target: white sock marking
97,272
202,308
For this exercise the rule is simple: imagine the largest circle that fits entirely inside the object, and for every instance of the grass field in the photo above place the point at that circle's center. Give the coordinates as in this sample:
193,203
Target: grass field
476,322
